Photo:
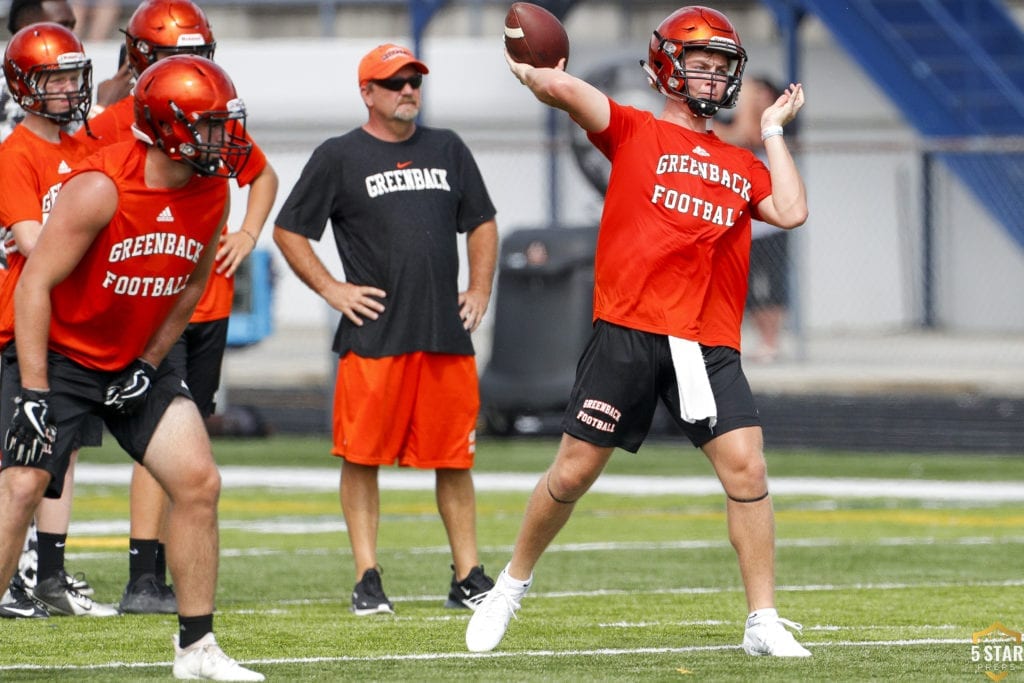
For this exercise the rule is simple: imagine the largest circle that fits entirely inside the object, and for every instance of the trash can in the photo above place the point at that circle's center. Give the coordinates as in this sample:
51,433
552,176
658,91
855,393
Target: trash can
542,321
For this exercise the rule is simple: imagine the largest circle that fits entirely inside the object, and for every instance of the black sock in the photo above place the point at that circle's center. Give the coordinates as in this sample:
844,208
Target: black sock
141,557
161,563
191,629
51,554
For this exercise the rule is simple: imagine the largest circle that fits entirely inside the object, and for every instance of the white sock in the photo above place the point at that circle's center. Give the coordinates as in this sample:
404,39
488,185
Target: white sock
517,586
766,614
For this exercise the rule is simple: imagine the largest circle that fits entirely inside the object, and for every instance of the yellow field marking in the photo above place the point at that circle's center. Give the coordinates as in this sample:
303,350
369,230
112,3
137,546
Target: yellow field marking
947,518
279,506
98,542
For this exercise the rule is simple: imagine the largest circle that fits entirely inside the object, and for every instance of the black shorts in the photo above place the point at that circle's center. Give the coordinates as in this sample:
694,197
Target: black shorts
76,395
622,375
89,434
197,356
769,271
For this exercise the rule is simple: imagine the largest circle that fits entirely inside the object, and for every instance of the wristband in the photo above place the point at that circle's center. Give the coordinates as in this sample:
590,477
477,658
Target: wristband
770,131
250,236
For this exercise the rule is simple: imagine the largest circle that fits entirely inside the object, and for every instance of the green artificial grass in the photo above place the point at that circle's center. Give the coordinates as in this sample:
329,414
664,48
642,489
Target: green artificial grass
635,588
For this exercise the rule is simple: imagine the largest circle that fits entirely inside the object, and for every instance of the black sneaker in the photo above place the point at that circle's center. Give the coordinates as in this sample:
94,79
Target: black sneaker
147,595
470,591
20,605
368,596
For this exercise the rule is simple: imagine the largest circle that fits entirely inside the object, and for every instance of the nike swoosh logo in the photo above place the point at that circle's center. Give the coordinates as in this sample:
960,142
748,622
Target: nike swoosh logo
404,164
59,545
22,611
133,551
36,412
465,590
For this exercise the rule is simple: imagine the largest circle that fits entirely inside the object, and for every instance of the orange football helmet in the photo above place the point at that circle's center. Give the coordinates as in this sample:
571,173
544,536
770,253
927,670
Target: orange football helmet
159,28
695,28
38,53
187,106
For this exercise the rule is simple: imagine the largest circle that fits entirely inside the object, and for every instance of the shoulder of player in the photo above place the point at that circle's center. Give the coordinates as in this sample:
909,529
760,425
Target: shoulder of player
91,185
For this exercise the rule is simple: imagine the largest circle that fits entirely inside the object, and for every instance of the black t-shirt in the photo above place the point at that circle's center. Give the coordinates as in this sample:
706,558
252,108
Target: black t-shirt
396,209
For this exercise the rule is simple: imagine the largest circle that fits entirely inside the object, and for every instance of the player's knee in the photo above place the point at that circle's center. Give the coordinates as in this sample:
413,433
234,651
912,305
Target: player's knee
567,485
199,486
23,487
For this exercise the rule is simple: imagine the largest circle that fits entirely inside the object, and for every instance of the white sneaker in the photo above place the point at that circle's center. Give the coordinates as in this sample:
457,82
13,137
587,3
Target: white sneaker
766,634
490,620
204,659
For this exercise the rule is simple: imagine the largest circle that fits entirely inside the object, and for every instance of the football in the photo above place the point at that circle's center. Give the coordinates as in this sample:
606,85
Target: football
535,36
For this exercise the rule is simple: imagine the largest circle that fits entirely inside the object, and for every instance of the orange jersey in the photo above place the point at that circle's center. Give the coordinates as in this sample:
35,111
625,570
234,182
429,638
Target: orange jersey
674,197
114,124
34,170
107,309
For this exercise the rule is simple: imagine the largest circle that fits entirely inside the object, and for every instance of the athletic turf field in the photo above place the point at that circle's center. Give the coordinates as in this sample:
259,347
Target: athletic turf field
890,577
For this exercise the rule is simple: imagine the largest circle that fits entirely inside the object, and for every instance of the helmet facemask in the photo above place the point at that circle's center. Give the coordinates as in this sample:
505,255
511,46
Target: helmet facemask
213,143
37,100
676,84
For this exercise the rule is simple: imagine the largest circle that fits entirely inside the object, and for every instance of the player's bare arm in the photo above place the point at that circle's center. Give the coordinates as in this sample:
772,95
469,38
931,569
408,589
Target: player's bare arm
787,205
587,105
26,234
114,89
235,246
482,254
174,324
355,302
84,206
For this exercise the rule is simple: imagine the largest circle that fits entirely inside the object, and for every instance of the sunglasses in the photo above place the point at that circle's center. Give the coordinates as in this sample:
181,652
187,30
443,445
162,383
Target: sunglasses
396,84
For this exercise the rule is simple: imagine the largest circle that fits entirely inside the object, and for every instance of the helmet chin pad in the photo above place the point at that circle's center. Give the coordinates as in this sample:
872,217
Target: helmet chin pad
699,106
703,108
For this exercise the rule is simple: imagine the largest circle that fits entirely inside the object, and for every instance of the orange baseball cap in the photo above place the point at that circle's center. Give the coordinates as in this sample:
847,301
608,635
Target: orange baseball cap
384,61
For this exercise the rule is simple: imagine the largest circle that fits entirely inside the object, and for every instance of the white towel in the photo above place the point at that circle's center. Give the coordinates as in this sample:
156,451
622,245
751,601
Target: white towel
696,400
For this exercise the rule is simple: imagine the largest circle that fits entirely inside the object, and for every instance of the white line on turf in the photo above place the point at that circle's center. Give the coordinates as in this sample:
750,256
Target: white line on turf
435,656
326,479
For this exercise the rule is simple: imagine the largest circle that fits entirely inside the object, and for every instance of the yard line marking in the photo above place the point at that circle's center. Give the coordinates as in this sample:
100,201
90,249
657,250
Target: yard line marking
434,656
82,531
685,590
326,479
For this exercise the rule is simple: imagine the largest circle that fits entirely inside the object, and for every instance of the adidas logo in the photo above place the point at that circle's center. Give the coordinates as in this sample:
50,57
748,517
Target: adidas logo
63,168
700,151
165,216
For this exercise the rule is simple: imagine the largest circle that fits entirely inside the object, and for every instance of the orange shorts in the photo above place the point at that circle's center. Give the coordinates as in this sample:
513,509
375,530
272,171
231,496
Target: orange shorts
418,409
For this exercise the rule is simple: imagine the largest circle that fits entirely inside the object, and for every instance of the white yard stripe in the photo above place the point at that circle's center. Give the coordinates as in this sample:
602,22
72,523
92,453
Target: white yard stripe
326,479
439,656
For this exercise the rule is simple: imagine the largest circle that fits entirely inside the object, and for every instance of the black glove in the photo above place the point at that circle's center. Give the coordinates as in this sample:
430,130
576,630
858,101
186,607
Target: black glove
32,431
128,391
